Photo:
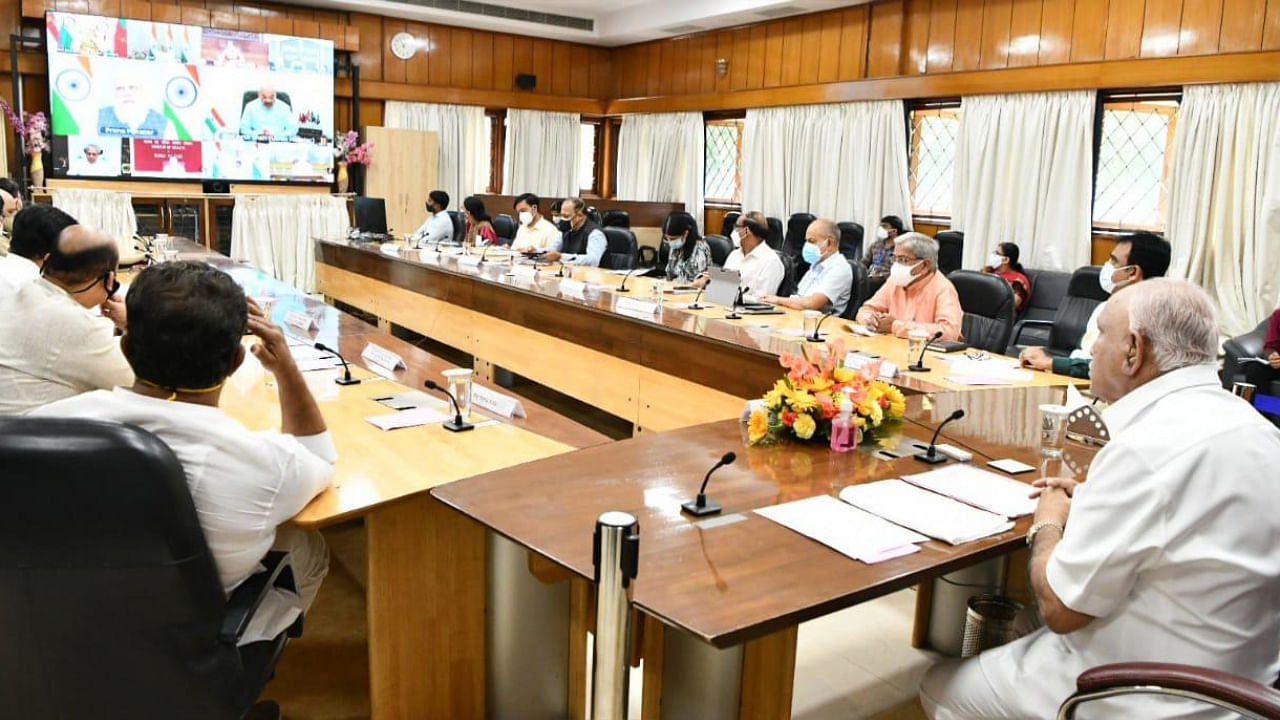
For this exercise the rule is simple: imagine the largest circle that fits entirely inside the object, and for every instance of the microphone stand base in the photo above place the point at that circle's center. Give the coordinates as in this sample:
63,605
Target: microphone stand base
932,458
622,290
347,381
710,508
733,316
814,339
696,306
453,426
917,367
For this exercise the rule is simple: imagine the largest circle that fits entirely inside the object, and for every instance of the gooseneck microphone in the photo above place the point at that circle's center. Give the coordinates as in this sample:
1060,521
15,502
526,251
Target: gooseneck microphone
737,303
932,456
918,365
622,287
457,424
694,305
701,506
346,378
815,337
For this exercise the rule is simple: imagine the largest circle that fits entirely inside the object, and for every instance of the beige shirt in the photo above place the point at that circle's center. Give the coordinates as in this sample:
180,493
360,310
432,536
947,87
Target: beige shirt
16,271
542,236
54,348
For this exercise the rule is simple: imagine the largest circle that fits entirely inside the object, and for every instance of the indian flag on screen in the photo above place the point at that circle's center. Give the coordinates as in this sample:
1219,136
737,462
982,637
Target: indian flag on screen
179,127
61,119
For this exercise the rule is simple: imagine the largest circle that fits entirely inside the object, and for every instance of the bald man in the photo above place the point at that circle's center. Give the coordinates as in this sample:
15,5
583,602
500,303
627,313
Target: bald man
828,284
268,118
60,329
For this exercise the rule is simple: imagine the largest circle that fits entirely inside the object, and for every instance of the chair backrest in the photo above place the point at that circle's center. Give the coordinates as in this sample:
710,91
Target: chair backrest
622,252
988,303
505,226
775,233
860,292
594,215
1084,294
615,218
950,250
850,240
112,604
459,225
1243,346
790,280
1048,288
721,246
730,219
797,224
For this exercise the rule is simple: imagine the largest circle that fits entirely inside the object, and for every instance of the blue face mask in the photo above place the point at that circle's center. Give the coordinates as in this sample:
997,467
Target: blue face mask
811,253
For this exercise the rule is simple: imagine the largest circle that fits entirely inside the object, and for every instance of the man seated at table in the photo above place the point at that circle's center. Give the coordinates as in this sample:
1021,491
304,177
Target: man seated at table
828,284
758,264
535,232
183,339
56,344
35,235
438,227
1137,257
583,242
1166,553
916,296
10,204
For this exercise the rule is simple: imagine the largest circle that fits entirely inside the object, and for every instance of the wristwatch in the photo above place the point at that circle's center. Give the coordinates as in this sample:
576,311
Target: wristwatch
1037,527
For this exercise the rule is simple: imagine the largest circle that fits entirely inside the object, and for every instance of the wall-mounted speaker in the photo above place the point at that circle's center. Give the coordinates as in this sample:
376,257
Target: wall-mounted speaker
525,81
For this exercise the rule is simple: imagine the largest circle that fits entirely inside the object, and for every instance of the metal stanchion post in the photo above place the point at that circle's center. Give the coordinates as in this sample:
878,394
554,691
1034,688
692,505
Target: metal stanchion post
616,551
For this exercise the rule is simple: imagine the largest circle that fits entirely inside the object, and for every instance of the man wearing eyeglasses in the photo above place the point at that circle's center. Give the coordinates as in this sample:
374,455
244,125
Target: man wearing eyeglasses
59,330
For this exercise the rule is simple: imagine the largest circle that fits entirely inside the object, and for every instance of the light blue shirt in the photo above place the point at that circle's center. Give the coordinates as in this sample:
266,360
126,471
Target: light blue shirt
437,229
278,120
833,278
596,245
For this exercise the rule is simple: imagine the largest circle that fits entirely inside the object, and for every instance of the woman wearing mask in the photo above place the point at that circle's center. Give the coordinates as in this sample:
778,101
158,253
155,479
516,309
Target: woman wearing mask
879,256
1003,261
689,255
479,227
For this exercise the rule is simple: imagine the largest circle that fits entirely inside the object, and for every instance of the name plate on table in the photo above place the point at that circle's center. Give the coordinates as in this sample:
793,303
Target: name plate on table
632,306
390,248
301,320
496,403
379,355
854,360
573,288
425,255
526,272
469,261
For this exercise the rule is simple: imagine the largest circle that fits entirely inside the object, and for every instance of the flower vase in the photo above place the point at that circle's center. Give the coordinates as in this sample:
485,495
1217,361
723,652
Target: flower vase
343,178
37,170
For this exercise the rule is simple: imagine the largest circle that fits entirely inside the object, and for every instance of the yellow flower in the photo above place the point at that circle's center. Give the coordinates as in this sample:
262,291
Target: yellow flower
897,402
843,375
773,399
757,426
801,401
804,426
819,384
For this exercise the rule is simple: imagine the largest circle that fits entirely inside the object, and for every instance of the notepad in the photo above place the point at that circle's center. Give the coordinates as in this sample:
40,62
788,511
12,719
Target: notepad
977,487
408,418
925,512
845,528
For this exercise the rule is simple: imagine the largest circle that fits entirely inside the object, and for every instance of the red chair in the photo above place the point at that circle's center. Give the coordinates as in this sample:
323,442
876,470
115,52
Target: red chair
1230,692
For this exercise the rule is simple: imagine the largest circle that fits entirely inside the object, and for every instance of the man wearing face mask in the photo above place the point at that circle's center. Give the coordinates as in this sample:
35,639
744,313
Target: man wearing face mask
879,256
828,284
760,268
916,296
1165,553
535,233
1137,257
583,242
438,228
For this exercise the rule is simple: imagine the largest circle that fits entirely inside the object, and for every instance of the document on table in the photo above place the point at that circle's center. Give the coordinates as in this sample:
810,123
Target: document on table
979,488
925,512
991,371
408,418
845,529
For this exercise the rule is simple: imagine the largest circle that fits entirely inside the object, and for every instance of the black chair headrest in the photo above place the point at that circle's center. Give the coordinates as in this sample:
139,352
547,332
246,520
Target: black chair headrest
1084,283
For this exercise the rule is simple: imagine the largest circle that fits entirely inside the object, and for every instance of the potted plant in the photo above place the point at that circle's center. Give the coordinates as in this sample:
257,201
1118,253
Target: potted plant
348,150
33,128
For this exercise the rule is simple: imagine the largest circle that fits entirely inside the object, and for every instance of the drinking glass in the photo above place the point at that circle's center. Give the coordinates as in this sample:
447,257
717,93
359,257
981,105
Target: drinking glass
1053,429
811,318
656,288
915,345
459,383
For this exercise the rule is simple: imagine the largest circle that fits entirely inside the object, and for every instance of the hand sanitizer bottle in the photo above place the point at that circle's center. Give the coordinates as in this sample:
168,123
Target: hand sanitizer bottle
844,433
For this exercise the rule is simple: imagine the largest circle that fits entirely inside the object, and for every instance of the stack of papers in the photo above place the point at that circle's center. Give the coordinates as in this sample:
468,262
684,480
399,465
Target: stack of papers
845,529
988,371
408,418
977,487
925,512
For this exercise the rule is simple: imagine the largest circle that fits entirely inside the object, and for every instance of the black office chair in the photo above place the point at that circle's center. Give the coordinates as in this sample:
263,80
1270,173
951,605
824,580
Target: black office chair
861,290
775,234
790,280
1245,346
797,224
1084,294
505,226
1048,288
730,219
721,246
615,218
950,251
594,215
113,607
459,226
623,252
850,240
988,302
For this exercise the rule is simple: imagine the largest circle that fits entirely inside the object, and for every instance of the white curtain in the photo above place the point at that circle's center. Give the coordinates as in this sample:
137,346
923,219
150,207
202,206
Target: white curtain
845,162
464,155
1024,174
542,153
276,233
111,212
661,158
1225,236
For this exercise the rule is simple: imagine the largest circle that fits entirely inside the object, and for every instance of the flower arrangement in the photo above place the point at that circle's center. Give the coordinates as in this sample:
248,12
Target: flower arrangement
350,150
803,403
33,127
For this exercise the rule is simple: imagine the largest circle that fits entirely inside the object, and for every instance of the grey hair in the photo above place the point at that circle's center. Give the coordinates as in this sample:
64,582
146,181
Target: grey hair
1177,318
924,247
827,229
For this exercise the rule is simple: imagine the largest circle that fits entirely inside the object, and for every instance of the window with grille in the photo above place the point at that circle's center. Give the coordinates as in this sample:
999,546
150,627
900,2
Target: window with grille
1131,191
723,182
587,133
935,132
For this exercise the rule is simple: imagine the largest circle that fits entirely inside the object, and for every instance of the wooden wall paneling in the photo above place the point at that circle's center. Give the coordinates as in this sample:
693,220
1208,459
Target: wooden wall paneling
393,68
111,8
773,45
351,38
136,10
1242,22
369,56
372,113
1161,25
439,70
1024,32
522,57
332,17
792,28
918,19
163,12
1124,29
482,60
653,69
757,39
561,69
580,71
332,31
280,25
996,17
666,67
1089,30
503,62
248,23
828,49
1056,24
724,50
885,48
942,36
306,28
542,65
680,66
739,61
1201,27
460,58
417,69
967,50
810,49
603,66
1271,30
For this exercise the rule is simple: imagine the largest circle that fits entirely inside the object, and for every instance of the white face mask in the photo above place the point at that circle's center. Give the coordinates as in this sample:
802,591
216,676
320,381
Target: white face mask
526,217
994,260
881,233
900,274
737,239
1107,277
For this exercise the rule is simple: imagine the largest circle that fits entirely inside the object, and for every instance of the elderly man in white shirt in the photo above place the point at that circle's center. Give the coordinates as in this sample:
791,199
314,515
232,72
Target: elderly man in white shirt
183,339
760,268
55,342
828,284
535,233
438,227
1166,553
35,235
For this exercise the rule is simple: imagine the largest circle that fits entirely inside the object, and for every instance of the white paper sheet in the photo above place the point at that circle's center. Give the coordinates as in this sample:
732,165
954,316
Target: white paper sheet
979,488
320,363
845,529
925,512
408,418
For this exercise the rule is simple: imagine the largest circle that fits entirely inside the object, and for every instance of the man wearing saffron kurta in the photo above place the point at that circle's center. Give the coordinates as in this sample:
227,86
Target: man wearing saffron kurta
916,296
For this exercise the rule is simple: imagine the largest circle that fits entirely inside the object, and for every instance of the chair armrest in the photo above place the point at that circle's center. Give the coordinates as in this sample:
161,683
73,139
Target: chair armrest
1207,684
247,596
647,256
1021,324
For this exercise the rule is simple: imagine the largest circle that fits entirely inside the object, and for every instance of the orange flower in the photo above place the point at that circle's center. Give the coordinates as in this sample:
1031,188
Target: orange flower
827,405
757,426
788,418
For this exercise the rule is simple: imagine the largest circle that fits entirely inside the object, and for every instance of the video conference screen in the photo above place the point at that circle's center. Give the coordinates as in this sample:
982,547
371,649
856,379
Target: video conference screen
141,99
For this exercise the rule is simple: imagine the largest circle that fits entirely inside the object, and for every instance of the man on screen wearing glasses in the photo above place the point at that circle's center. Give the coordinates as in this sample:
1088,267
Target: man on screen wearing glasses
60,328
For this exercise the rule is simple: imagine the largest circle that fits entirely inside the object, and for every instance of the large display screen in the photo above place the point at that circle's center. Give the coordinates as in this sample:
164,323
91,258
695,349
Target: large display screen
141,99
